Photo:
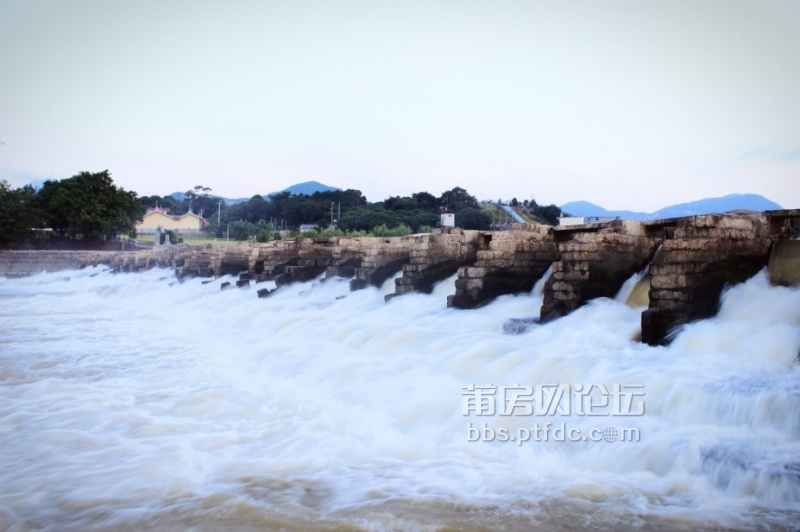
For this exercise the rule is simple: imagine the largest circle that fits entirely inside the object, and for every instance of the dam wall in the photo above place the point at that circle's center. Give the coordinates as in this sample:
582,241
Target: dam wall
18,263
698,257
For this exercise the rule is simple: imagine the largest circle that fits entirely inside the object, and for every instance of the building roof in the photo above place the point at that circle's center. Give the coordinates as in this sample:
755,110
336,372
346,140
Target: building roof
177,217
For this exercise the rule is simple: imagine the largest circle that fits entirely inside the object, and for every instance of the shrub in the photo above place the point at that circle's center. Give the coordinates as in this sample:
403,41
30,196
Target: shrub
400,230
169,236
330,231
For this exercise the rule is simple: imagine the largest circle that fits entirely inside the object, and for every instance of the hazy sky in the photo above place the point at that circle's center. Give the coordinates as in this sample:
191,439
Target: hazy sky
628,104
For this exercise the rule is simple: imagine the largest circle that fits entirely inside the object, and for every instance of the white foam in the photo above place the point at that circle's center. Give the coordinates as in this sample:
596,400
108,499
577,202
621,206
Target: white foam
121,393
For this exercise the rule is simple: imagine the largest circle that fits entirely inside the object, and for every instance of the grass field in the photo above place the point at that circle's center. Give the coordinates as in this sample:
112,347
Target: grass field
195,240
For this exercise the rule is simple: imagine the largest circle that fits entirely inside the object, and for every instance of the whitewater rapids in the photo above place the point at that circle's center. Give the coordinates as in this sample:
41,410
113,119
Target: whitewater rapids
135,401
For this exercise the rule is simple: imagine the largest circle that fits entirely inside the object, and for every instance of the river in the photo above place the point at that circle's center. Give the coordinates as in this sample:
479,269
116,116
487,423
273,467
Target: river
135,401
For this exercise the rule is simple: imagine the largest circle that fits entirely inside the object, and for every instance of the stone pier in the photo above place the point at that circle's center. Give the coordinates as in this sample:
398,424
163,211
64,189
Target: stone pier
699,257
508,262
381,257
435,257
595,260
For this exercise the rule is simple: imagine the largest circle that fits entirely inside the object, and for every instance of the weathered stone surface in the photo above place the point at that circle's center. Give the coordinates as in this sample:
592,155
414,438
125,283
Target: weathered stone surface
594,261
436,256
21,263
703,255
381,257
507,262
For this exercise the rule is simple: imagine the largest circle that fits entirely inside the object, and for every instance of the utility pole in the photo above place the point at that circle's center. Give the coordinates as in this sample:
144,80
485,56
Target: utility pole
219,211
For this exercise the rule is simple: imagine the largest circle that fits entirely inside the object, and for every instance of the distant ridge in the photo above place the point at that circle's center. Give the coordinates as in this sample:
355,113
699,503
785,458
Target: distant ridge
732,202
308,188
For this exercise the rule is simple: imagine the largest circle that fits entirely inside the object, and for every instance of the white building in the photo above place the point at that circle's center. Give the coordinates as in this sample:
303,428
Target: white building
156,218
448,219
583,220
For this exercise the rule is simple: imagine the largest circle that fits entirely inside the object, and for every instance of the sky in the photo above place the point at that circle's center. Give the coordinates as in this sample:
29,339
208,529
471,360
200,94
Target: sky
630,104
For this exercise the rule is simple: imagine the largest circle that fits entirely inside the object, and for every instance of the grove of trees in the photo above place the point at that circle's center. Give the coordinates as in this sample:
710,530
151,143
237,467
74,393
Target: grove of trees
87,206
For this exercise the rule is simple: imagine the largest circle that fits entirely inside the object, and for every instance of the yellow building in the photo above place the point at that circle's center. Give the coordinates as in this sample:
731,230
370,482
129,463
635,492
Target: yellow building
188,223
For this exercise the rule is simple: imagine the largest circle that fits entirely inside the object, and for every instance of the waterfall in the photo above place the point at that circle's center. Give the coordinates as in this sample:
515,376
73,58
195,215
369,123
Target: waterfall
635,292
784,263
445,287
388,285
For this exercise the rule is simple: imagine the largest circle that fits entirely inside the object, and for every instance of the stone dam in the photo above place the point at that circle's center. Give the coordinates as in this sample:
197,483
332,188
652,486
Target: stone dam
688,261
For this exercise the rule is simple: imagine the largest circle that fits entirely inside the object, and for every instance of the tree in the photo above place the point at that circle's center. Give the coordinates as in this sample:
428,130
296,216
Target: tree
165,202
19,214
242,230
457,199
426,201
89,206
472,218
364,218
199,201
550,213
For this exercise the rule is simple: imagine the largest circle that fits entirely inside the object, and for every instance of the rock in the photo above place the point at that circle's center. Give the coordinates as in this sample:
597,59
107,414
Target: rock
519,325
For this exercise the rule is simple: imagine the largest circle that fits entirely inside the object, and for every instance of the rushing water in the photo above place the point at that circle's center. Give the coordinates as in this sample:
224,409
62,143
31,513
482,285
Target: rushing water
133,401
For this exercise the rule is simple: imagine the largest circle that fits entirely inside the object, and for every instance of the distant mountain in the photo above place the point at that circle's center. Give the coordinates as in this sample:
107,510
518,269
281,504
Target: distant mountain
308,188
750,202
584,208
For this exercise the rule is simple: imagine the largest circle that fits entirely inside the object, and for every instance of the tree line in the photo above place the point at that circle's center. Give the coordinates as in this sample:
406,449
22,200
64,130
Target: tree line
346,210
90,207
